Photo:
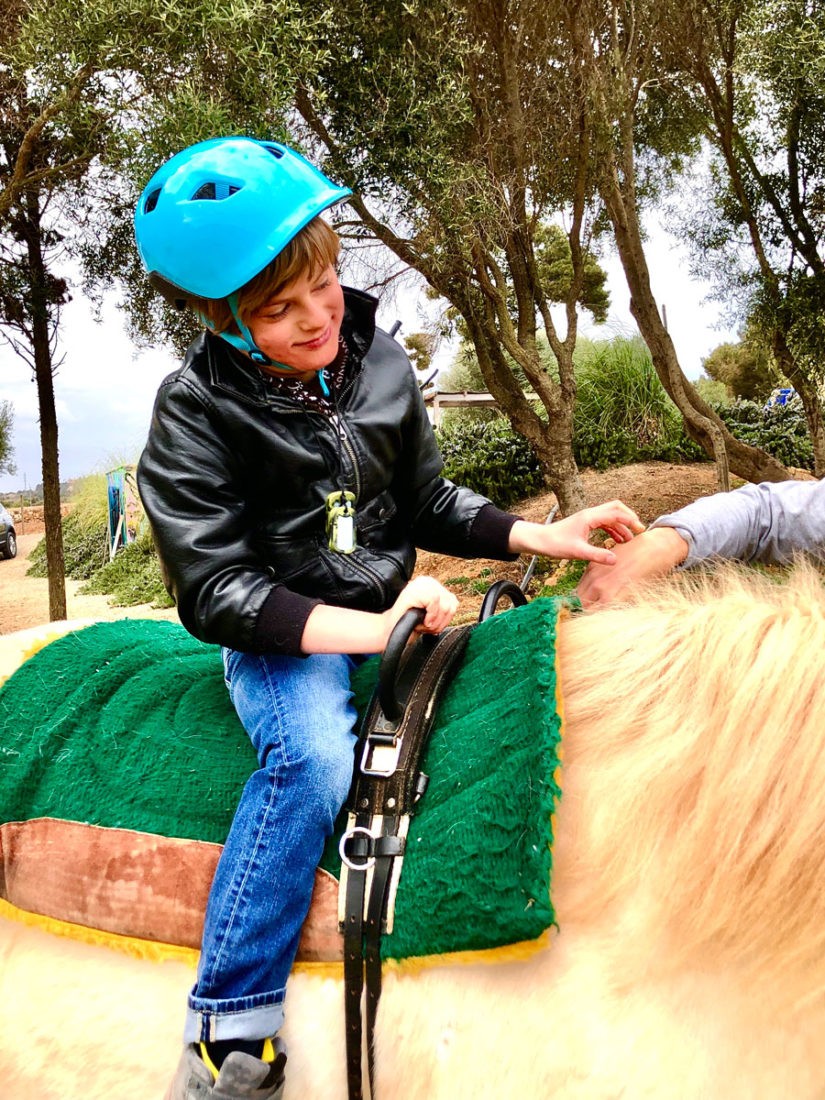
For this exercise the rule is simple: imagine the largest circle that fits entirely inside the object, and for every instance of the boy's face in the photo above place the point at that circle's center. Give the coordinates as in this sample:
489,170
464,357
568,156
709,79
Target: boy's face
299,326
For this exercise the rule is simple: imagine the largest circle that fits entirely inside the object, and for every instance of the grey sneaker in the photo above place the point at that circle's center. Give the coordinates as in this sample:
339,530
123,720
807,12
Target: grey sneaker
242,1077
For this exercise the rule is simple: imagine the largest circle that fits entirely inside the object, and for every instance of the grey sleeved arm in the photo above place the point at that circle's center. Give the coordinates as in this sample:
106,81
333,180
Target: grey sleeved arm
769,523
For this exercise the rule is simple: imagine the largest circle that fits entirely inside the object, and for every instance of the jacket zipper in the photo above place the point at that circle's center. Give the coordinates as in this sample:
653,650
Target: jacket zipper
341,431
369,574
340,428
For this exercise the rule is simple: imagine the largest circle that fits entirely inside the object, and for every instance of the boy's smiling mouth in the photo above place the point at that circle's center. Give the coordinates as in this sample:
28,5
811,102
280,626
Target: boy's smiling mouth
316,341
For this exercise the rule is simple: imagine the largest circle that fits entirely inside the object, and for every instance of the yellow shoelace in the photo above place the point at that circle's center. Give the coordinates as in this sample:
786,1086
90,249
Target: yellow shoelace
267,1055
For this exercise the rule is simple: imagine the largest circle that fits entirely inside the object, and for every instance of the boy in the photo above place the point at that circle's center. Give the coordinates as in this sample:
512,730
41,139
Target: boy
289,474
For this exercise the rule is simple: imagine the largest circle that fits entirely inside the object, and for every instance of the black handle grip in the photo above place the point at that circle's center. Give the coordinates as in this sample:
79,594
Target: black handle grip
495,592
388,670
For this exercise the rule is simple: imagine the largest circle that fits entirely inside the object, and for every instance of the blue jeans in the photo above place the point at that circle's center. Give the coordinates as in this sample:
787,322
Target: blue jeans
299,714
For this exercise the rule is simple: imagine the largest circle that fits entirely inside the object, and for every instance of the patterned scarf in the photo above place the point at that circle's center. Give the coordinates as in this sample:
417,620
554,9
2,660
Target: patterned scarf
309,394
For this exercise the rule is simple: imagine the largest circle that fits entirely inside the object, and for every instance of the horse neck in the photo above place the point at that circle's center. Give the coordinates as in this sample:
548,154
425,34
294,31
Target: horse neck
691,813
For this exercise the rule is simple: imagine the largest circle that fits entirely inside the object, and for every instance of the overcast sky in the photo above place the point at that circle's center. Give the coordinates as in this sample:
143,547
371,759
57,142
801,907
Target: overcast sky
104,391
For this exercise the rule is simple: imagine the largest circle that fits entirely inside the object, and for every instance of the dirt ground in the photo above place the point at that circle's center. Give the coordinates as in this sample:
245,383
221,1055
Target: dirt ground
649,488
24,601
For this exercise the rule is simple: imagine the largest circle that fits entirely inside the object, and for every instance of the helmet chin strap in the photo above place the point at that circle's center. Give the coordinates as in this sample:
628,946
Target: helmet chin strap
246,343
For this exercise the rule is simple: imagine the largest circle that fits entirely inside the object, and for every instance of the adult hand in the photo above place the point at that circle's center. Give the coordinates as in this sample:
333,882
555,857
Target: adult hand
569,538
438,602
651,554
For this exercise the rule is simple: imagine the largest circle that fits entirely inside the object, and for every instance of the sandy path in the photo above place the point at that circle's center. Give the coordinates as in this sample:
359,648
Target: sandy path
24,601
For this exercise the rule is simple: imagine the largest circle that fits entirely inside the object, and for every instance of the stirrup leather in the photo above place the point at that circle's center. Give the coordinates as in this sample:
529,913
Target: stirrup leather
387,786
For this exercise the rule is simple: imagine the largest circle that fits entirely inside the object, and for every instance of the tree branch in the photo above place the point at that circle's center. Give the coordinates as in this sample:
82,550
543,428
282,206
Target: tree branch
22,176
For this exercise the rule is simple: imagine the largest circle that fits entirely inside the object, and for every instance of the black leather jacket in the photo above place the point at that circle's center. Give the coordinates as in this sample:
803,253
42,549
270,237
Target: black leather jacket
234,479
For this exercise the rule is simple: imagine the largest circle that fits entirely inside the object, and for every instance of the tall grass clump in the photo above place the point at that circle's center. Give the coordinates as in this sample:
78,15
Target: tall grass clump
85,532
133,576
623,413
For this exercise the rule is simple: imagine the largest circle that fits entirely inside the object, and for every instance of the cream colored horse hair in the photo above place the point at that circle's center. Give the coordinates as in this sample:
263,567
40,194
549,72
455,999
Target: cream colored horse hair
690,843
696,756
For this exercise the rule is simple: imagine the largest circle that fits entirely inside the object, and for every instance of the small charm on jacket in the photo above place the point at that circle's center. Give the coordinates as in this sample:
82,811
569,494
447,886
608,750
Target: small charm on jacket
341,521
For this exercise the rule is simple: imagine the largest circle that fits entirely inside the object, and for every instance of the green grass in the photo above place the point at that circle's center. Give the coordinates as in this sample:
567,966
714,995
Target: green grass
133,576
623,413
85,533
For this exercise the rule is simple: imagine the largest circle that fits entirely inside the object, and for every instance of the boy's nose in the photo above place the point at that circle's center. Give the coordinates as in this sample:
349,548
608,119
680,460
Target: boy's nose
314,315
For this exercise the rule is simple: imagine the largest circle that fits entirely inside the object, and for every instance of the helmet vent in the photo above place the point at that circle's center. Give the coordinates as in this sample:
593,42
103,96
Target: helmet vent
213,190
151,201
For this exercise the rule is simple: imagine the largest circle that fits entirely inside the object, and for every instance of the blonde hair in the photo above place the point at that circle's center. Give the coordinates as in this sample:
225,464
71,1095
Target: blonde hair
695,762
310,251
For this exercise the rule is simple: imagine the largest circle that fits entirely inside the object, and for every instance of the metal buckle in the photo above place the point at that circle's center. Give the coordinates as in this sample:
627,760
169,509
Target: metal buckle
347,865
381,754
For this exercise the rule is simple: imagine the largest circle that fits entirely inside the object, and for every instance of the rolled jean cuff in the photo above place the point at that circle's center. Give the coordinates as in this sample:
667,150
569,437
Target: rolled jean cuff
255,1017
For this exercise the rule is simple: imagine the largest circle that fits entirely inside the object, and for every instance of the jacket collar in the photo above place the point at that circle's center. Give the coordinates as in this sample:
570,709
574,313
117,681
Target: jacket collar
233,372
358,326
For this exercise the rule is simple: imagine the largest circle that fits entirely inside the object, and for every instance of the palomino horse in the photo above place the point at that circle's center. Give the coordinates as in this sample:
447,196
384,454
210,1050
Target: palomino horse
689,885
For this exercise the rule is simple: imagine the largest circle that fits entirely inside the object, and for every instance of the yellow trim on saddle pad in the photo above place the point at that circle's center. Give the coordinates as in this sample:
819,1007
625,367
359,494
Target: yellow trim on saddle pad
489,956
126,945
152,951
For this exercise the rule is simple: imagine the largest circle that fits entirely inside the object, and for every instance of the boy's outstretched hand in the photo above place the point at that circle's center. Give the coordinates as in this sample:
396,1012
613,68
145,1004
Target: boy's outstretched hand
569,538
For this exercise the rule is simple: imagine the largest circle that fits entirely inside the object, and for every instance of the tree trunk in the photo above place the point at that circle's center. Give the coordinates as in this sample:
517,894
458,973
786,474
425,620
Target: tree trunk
812,404
809,394
701,421
55,563
44,377
554,449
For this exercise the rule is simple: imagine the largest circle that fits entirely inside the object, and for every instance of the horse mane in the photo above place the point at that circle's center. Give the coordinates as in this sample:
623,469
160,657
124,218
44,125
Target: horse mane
694,774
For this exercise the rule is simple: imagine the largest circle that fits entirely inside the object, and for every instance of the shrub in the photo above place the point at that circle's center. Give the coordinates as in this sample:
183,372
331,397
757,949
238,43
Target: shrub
492,459
782,431
132,576
715,393
85,533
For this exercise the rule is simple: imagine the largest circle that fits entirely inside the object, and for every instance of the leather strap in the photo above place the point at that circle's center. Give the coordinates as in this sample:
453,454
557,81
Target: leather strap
354,977
426,670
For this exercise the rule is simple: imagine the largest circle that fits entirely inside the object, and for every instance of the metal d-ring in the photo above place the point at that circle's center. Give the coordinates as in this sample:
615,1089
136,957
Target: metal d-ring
345,859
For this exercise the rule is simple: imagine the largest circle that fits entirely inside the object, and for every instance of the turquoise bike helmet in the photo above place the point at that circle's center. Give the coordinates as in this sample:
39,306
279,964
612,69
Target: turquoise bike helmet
217,213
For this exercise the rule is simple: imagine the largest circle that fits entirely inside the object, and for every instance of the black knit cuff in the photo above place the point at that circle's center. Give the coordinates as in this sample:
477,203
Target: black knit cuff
490,533
281,622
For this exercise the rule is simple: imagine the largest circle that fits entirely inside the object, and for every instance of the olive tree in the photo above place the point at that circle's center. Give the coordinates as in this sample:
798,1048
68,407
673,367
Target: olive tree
644,125
754,70
463,130
89,92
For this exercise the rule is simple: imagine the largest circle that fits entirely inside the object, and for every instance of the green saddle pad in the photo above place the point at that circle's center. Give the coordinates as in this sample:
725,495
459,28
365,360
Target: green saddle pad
128,725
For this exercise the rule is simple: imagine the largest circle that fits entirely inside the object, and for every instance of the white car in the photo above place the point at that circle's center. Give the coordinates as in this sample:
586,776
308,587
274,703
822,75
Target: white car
8,536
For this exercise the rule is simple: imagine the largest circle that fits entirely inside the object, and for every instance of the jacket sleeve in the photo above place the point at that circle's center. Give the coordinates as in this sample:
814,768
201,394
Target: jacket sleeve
191,494
770,523
446,518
